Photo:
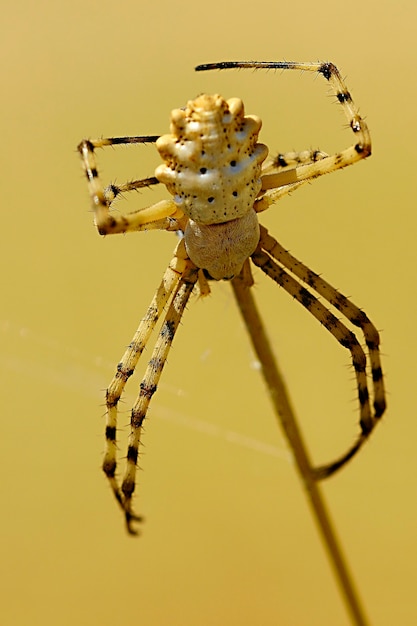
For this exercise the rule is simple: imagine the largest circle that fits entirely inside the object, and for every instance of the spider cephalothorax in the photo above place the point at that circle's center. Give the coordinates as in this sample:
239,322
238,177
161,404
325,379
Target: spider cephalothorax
219,179
212,167
212,159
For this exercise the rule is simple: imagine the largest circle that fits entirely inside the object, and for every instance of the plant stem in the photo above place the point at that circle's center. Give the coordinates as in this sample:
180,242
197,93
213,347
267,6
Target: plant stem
285,414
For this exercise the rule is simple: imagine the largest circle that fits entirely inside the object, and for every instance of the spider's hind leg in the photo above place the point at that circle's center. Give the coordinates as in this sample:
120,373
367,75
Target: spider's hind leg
178,282
268,252
187,275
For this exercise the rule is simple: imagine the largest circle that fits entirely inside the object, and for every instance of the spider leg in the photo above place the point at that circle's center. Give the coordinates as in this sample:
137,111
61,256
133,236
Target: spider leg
159,216
121,141
355,315
185,285
270,249
360,150
264,201
162,215
288,160
284,164
178,266
112,191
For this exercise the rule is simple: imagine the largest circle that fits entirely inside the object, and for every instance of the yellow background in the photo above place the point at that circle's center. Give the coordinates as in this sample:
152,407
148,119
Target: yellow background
229,538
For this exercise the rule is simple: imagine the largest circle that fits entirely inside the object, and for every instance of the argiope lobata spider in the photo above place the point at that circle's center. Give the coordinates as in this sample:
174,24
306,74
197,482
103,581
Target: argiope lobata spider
220,179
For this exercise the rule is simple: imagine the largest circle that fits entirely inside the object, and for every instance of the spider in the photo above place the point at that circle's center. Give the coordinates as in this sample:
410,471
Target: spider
220,178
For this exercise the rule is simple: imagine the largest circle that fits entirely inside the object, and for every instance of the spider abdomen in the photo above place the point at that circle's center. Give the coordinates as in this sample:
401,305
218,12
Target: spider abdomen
221,249
212,161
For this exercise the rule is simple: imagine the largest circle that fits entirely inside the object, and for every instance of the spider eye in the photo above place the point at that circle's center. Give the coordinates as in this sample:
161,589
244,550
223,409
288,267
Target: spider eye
210,200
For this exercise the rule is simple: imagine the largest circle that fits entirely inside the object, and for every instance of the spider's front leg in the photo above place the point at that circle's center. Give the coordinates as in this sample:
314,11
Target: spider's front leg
282,167
163,215
178,282
288,160
312,168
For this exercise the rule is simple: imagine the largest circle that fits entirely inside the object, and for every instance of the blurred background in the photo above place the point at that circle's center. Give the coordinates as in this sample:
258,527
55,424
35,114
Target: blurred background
228,537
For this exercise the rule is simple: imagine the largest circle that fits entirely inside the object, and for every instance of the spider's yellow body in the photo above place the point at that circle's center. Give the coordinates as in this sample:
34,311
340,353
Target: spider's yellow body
219,178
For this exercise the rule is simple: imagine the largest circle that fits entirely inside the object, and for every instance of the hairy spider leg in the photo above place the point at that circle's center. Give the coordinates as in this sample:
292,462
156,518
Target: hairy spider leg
178,283
360,150
162,215
270,249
